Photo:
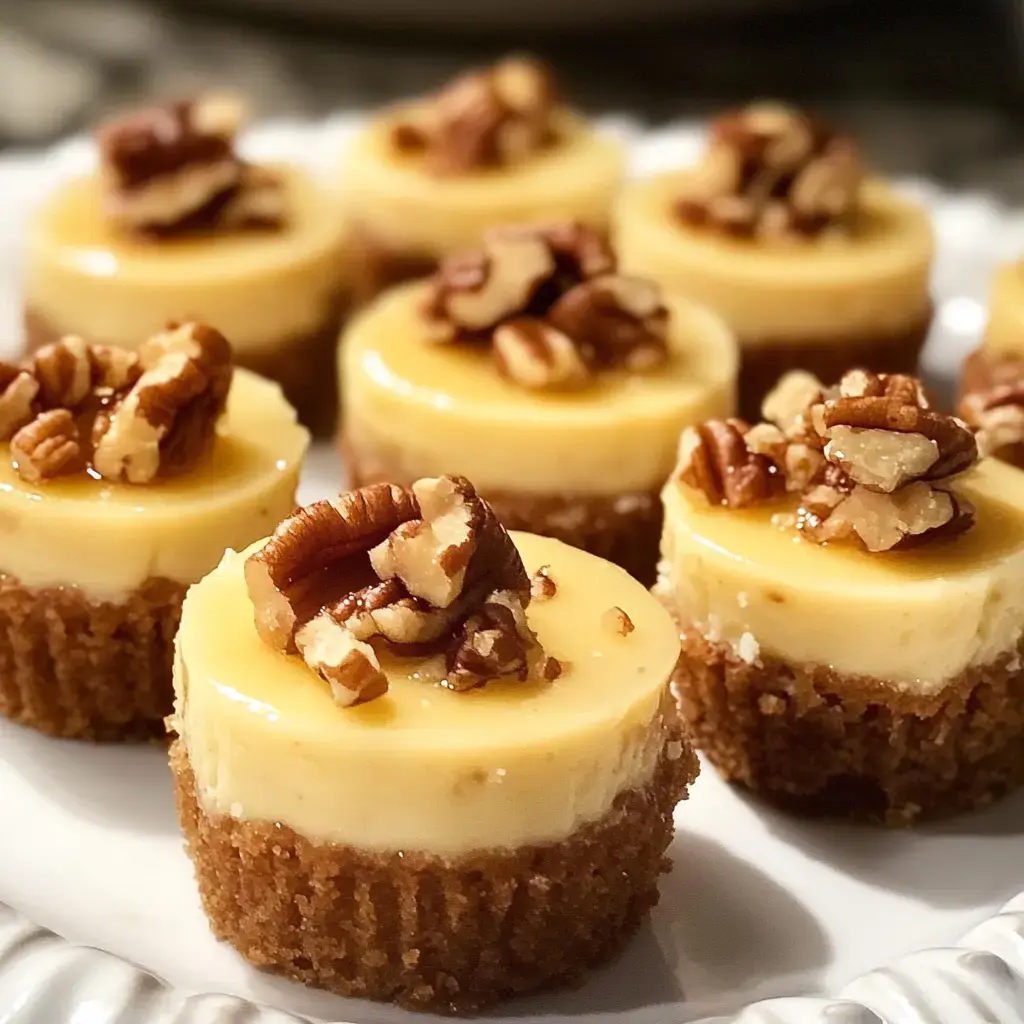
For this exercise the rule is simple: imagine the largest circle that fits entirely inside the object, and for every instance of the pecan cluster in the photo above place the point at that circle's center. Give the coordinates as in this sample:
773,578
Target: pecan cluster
870,459
992,401
421,569
173,169
124,415
773,172
493,117
551,304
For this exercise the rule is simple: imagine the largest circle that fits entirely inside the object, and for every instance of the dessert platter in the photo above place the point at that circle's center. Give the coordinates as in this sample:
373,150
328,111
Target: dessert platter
398,620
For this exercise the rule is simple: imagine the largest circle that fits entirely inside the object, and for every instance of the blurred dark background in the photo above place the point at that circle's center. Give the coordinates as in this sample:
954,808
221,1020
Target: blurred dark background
932,88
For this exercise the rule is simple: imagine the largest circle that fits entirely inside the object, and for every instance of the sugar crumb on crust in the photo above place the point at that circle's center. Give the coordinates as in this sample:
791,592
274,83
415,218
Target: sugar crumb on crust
622,528
818,742
433,933
81,669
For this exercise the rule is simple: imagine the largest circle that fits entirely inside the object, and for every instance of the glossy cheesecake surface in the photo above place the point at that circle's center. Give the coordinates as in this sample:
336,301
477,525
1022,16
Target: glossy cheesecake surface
872,283
258,287
423,767
914,618
432,409
402,207
108,538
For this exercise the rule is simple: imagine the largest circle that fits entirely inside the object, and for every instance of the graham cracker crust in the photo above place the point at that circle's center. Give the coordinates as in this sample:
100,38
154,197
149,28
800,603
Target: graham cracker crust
426,932
80,669
375,267
762,365
981,371
304,365
817,742
623,528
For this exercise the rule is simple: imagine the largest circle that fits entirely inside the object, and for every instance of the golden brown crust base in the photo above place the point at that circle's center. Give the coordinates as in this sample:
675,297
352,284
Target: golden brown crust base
821,743
762,365
80,669
623,528
303,365
980,373
429,933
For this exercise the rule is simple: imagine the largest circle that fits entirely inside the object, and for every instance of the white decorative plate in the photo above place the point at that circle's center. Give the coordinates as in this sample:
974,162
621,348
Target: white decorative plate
759,906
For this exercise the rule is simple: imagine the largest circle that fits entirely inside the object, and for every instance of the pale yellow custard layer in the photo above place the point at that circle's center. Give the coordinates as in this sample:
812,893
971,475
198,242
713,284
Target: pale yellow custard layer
107,539
870,284
425,768
403,208
431,409
259,288
915,619
1005,330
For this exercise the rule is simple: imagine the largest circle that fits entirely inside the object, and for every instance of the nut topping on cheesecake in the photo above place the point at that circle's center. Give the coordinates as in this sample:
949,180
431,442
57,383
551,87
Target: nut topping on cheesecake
121,415
494,117
173,169
421,569
773,172
552,306
872,462
992,403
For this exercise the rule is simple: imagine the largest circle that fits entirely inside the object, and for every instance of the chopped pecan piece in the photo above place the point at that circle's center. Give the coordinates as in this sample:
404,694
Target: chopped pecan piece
348,665
173,169
168,419
48,446
488,118
617,621
715,460
881,431
773,172
69,371
492,643
542,584
788,404
993,400
19,390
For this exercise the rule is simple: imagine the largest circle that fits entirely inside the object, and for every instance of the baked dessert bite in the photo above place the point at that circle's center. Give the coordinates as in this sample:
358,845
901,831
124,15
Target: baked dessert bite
123,477
556,384
421,759
850,588
494,146
815,264
174,225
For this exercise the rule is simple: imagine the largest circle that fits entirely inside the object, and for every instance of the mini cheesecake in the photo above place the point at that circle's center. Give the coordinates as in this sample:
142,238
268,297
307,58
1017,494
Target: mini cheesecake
495,146
812,264
122,480
422,760
557,385
174,226
850,589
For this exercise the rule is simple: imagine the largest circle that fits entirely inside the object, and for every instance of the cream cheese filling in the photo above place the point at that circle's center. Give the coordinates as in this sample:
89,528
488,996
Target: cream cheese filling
1005,329
914,619
107,539
390,198
422,409
258,288
424,768
871,285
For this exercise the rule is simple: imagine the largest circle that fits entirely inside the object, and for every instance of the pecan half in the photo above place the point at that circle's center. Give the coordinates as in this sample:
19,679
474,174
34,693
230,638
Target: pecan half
167,421
881,431
69,371
538,356
992,403
47,447
488,118
19,390
774,172
715,460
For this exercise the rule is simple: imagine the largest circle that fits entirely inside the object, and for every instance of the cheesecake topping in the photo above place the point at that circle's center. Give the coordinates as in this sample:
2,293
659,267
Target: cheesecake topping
772,172
116,414
495,117
420,570
993,402
872,462
173,169
549,301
